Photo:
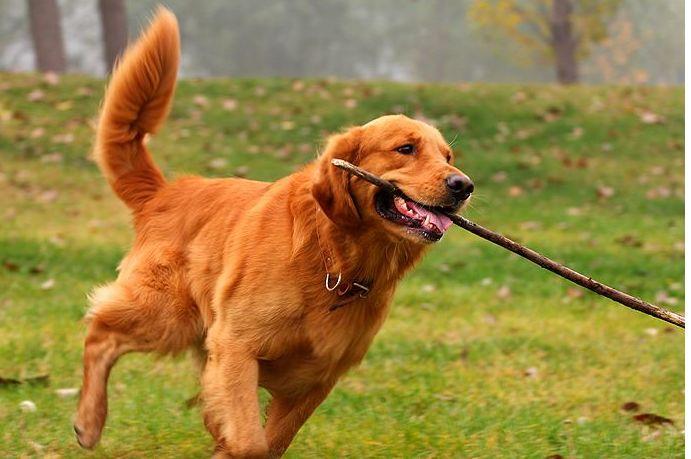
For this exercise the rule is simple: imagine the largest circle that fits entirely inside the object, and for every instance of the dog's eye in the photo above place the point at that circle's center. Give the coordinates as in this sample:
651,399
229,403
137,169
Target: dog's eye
406,149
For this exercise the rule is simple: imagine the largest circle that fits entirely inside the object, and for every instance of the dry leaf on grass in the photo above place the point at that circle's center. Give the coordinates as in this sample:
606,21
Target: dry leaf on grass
230,104
27,406
200,101
605,192
631,406
648,117
504,292
48,284
35,95
651,419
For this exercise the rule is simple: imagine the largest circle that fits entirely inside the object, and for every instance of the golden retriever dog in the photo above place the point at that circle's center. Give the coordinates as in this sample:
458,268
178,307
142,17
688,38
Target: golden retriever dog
277,285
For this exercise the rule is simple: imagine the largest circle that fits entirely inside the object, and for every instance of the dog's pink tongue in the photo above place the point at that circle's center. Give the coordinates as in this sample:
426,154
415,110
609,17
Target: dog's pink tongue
439,220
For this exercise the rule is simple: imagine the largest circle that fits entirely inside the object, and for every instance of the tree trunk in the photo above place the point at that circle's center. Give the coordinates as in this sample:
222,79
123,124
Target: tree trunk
46,34
564,42
114,27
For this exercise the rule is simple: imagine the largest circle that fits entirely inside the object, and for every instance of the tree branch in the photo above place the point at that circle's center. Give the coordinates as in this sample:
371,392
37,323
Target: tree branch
529,254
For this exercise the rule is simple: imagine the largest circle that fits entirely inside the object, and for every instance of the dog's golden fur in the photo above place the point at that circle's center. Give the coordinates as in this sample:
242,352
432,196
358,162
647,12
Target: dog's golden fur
233,268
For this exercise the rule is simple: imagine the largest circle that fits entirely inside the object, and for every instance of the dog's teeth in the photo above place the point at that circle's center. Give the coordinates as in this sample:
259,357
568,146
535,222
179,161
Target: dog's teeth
426,223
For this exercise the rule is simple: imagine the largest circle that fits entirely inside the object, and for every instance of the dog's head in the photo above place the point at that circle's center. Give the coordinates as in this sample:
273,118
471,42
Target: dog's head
412,155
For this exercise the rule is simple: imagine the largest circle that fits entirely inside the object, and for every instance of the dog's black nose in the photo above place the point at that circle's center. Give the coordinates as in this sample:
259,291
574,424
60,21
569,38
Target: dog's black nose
460,186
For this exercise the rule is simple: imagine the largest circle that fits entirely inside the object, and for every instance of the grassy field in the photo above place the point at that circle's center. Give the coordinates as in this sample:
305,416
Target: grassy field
484,354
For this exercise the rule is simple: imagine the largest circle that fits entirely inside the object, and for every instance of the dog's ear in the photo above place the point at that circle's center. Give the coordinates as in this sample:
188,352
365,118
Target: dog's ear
331,185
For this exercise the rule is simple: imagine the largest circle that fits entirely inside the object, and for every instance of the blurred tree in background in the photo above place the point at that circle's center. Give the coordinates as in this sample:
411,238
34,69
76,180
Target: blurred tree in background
558,31
615,41
114,30
46,35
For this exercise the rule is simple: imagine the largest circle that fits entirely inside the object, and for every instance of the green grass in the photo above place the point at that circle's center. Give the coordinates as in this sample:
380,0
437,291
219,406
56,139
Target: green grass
461,369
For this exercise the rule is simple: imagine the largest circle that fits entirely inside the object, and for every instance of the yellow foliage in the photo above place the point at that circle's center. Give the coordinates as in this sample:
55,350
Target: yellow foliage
528,22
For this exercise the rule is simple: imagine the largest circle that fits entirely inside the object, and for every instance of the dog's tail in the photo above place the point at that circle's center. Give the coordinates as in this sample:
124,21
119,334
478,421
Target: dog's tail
137,102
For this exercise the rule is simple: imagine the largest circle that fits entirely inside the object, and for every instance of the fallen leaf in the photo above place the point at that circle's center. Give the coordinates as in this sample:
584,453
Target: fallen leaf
51,158
63,106
428,288
651,436
9,381
35,95
10,266
48,196
38,448
576,133
27,406
67,392
350,103
38,269
298,85
518,97
530,225
631,406
573,292
84,91
658,193
241,171
63,138
515,191
651,419
37,133
39,379
531,372
649,117
48,284
629,240
445,397
489,319
51,78
605,192
218,163
229,104
499,177
504,292
664,298
200,101
551,114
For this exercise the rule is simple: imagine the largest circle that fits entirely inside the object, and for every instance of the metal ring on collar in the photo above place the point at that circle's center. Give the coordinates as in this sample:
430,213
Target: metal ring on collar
328,279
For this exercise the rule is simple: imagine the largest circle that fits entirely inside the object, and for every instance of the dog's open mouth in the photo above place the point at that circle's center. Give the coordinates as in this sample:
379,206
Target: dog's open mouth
429,222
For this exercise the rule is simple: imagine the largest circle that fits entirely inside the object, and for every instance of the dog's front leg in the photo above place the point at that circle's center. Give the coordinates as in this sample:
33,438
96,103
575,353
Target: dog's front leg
231,404
287,415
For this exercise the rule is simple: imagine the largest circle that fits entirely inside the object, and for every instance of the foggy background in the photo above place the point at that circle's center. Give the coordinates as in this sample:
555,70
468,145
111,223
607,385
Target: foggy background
408,40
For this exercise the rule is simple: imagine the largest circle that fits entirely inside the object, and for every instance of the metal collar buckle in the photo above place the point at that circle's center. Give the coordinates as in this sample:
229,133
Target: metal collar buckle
365,290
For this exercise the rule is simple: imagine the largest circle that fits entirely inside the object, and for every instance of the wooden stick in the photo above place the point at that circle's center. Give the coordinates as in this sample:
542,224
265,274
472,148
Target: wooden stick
551,265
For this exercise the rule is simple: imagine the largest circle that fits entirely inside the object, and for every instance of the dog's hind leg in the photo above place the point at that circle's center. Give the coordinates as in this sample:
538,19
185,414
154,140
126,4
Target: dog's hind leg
123,321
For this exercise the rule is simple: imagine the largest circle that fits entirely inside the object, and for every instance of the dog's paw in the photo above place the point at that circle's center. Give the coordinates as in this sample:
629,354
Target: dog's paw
86,439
